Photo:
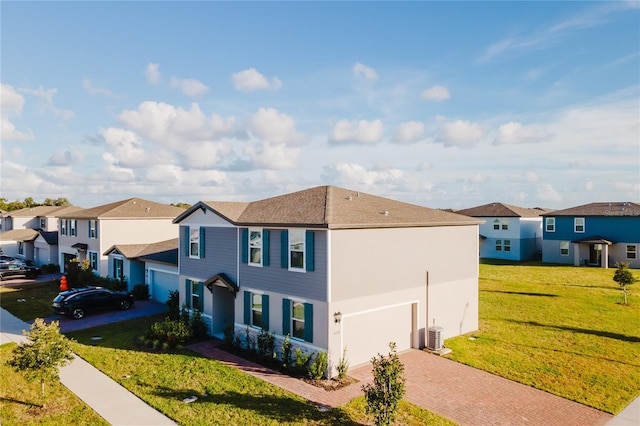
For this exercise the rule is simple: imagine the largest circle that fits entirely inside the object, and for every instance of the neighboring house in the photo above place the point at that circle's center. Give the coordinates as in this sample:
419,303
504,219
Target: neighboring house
88,233
331,267
154,264
595,234
39,243
508,232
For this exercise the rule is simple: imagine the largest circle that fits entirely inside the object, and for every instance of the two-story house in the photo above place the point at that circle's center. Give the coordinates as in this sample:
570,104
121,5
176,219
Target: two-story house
595,234
32,233
508,232
88,233
331,267
154,264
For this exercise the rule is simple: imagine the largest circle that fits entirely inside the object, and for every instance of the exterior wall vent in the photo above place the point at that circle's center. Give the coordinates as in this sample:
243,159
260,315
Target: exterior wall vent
434,338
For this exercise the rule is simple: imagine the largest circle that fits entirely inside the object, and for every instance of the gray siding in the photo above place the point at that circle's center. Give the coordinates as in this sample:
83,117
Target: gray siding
221,254
309,284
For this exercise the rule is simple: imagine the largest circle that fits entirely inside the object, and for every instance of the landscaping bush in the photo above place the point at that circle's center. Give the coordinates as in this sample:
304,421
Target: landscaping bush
79,274
50,268
303,360
286,352
141,292
168,333
266,343
319,365
173,303
343,365
198,326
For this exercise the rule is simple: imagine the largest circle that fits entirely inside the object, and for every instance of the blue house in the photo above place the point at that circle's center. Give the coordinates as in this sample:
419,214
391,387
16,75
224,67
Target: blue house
508,232
596,234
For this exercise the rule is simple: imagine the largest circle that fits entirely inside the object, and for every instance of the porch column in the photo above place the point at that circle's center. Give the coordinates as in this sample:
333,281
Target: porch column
576,254
605,255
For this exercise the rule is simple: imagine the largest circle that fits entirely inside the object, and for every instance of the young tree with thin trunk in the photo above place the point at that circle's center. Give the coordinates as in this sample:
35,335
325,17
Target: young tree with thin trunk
44,352
384,395
624,277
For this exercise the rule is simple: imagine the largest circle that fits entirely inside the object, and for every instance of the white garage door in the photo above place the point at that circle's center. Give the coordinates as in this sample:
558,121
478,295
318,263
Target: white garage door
161,283
368,334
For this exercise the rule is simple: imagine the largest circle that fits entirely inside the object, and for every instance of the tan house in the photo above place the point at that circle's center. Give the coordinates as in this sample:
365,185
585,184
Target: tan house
88,233
333,268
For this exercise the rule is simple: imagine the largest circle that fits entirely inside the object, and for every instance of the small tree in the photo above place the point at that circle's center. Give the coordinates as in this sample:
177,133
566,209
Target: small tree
624,277
384,395
41,356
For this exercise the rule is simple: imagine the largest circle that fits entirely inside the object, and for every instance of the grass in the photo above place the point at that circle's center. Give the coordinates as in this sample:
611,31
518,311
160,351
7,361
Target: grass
225,394
29,301
20,402
561,329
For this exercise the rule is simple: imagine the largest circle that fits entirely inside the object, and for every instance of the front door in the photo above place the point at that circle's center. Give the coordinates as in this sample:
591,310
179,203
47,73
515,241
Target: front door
595,254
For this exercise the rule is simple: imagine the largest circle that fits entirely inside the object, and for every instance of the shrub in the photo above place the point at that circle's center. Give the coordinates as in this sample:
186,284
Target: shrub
384,394
343,365
141,292
286,352
249,342
171,332
266,343
173,303
198,326
302,362
319,365
50,268
230,336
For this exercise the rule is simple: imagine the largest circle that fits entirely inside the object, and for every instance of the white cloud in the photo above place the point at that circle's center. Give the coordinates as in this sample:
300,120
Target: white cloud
363,71
92,90
460,133
46,96
352,174
172,127
189,87
408,132
515,133
65,158
11,102
250,80
363,131
546,192
124,148
273,126
8,131
588,185
153,73
632,188
202,155
436,93
530,176
264,155
478,178
425,166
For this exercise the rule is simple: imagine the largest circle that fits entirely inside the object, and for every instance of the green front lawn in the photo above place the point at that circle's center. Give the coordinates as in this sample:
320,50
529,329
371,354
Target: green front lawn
29,301
225,395
561,329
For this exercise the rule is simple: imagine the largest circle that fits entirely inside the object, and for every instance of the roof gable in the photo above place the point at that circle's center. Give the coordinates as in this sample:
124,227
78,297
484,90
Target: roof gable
500,210
132,208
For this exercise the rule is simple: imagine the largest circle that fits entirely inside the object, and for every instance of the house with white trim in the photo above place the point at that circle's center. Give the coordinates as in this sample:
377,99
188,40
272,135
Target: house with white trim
88,233
153,264
508,232
595,234
331,267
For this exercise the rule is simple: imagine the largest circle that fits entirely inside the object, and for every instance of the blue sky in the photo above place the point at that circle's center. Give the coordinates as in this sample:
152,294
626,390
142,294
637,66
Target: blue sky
442,104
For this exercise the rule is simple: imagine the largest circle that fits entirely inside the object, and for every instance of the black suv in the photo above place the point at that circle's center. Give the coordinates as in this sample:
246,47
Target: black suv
17,270
78,301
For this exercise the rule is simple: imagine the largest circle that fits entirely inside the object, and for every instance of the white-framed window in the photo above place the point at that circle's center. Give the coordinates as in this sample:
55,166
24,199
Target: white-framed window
93,260
297,320
505,224
63,227
296,249
194,242
93,229
498,245
118,268
256,310
195,290
507,245
550,223
578,224
43,223
255,247
564,248
496,224
632,251
73,227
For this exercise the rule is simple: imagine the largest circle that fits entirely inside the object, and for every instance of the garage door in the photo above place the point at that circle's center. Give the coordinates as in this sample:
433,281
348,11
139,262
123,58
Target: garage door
161,283
367,334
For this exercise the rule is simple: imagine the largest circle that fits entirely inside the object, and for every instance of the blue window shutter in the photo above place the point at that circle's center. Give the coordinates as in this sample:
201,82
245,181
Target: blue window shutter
265,247
201,296
284,248
265,312
308,322
247,307
186,241
96,228
89,229
202,242
286,316
309,250
244,244
188,293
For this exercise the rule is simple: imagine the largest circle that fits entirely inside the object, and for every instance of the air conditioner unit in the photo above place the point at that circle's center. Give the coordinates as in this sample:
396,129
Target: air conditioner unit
434,338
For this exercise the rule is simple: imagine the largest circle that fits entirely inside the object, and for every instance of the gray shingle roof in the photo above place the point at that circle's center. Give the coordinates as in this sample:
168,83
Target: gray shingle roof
332,207
132,208
42,211
19,235
500,210
622,208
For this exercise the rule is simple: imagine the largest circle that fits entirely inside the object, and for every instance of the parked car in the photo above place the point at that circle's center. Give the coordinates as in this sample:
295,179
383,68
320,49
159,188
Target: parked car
17,270
77,302
8,259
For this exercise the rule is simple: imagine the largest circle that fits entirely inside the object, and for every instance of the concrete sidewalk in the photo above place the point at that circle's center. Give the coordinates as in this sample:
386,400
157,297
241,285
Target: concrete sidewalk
110,400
